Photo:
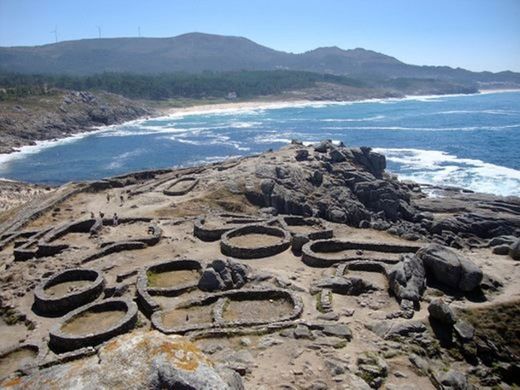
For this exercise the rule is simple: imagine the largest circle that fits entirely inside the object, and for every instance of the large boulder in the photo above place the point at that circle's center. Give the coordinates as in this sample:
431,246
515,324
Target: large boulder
139,360
442,312
407,279
224,275
450,268
514,251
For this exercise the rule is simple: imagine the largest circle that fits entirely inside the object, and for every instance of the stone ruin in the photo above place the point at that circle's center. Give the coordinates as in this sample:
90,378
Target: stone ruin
204,276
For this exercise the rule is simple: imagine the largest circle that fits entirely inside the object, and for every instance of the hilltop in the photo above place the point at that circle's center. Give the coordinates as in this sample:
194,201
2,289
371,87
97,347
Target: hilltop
198,52
313,257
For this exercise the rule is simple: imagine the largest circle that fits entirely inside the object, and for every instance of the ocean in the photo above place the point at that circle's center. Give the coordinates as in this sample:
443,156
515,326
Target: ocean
470,141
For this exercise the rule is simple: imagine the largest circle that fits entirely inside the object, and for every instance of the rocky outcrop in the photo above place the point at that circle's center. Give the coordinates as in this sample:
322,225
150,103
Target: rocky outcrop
145,360
61,114
346,185
442,312
450,268
407,279
224,275
514,250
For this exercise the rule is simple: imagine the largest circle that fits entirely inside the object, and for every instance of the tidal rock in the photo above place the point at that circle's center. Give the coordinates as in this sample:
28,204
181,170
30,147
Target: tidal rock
441,311
140,360
407,279
450,268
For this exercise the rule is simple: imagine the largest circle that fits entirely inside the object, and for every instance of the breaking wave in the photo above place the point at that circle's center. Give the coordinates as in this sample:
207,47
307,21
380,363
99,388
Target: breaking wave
440,168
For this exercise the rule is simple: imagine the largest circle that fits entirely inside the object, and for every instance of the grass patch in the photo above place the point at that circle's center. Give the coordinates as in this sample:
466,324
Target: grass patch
499,323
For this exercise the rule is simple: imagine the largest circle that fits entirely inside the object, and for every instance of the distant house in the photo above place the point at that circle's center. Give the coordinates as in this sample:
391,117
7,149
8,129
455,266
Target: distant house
231,95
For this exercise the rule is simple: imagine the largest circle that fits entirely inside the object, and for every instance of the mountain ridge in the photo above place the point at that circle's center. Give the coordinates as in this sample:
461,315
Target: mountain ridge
198,52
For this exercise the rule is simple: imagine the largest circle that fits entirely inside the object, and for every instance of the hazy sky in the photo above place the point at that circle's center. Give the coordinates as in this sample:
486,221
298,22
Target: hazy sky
473,34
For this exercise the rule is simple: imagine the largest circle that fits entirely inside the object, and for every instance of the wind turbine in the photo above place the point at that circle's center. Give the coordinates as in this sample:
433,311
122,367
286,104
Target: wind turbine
139,31
55,32
99,31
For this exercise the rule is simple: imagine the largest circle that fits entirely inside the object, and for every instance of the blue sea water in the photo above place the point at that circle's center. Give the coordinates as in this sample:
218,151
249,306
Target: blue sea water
466,141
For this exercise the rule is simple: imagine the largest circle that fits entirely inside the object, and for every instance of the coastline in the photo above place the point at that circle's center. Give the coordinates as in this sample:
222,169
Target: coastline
216,108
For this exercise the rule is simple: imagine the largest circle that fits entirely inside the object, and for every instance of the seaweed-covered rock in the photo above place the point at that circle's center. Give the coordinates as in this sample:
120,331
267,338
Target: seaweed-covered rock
450,268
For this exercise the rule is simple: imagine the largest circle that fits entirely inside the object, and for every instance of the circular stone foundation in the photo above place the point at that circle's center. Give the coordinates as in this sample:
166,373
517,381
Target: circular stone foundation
229,309
93,324
255,241
181,186
212,227
169,278
324,253
68,290
17,358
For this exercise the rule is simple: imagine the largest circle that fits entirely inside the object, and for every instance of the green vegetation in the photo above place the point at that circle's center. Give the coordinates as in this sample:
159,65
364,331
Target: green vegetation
245,84
498,323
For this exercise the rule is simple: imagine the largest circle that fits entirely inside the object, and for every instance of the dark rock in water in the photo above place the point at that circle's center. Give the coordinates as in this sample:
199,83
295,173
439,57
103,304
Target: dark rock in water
514,251
224,275
454,380
407,279
450,268
441,311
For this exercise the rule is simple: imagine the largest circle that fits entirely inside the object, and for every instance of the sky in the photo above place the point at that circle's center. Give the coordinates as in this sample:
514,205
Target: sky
472,34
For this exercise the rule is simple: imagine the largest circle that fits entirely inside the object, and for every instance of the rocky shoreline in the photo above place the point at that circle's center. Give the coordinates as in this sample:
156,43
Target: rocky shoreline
313,257
61,114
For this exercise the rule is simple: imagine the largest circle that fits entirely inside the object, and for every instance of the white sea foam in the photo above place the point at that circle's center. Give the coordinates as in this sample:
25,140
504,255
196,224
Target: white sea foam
473,112
24,151
244,125
440,168
402,128
367,119
120,160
